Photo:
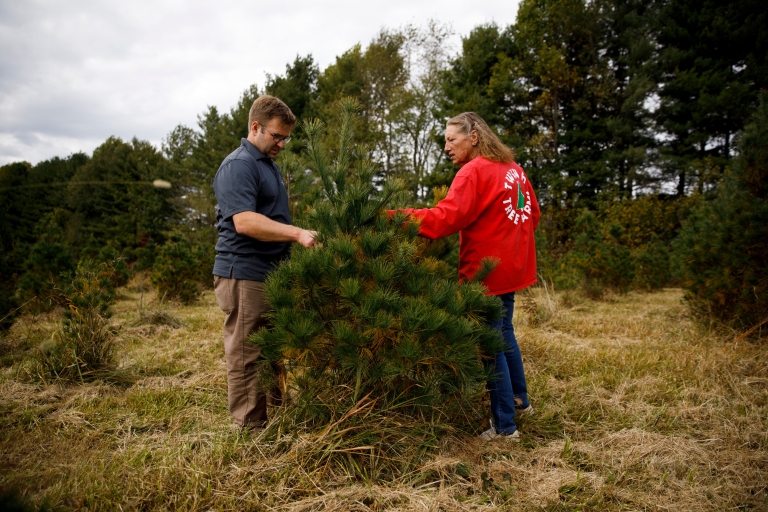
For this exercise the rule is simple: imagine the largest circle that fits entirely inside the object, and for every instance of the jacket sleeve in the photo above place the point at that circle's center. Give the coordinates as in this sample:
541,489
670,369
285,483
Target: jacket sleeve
452,214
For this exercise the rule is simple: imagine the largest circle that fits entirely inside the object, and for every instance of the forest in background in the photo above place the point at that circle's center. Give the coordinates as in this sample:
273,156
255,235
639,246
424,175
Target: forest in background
640,123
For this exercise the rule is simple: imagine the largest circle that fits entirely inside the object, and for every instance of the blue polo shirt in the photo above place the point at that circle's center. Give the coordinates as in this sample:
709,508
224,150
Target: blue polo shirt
248,181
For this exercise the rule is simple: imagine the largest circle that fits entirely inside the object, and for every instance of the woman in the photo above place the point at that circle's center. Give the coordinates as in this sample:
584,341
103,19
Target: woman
492,205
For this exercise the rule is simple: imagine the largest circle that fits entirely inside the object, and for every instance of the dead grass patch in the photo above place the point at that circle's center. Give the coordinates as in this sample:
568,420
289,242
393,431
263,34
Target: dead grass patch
636,407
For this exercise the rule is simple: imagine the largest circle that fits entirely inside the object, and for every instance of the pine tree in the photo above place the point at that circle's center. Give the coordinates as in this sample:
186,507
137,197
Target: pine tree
298,88
599,259
177,270
83,348
711,68
110,200
723,247
373,315
16,224
482,79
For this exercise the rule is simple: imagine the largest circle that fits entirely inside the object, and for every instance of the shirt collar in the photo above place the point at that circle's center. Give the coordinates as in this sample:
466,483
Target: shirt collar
253,150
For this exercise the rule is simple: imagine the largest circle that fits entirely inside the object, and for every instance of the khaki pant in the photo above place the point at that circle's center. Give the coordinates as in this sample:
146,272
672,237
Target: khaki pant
244,303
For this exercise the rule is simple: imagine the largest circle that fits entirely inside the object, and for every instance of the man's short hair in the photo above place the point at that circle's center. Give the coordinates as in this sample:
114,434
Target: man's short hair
266,108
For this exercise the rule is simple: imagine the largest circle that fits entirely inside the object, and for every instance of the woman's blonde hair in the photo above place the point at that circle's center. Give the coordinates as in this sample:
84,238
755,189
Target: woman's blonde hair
488,144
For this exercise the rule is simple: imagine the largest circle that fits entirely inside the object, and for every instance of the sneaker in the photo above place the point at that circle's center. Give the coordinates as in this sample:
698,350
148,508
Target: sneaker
525,411
492,435
519,409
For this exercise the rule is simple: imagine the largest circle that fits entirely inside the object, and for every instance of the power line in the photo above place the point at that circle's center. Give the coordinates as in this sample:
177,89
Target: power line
155,183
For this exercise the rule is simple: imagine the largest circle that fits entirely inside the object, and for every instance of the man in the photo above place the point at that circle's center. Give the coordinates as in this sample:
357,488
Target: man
255,234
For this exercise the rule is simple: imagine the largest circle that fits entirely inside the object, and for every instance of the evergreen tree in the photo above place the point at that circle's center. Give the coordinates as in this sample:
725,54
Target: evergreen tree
112,199
194,156
723,248
711,67
372,313
625,28
574,95
30,250
177,269
16,234
300,183
478,81
377,78
47,260
17,217
83,349
298,89
48,181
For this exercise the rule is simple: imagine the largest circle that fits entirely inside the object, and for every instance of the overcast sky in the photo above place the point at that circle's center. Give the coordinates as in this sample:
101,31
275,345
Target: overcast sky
74,72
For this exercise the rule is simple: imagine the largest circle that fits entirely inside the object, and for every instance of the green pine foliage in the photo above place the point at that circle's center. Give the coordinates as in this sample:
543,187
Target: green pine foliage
711,68
623,245
47,262
177,269
8,306
652,265
43,269
111,198
723,248
15,236
373,315
599,257
301,185
83,349
119,272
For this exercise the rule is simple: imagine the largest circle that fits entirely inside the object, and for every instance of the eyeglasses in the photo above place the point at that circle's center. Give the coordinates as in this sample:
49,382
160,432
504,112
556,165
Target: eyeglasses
277,138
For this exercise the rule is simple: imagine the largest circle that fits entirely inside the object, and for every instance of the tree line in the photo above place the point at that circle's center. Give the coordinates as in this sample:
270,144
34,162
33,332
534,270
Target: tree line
624,113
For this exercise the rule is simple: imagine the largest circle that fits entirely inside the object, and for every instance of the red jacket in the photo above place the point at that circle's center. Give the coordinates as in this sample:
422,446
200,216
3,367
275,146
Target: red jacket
494,209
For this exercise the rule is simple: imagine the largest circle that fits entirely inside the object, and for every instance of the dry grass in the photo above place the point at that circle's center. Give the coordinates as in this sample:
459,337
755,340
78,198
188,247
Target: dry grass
636,409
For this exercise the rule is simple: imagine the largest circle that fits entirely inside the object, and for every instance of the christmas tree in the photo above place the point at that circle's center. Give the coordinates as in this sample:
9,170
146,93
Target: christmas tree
723,246
372,319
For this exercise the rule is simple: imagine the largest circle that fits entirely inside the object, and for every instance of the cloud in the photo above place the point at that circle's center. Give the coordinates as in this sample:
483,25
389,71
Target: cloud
74,73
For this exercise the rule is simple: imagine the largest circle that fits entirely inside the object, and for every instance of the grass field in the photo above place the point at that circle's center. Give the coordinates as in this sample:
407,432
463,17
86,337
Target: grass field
636,407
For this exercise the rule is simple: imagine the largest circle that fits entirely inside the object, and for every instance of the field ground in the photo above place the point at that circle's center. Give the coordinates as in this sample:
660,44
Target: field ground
636,409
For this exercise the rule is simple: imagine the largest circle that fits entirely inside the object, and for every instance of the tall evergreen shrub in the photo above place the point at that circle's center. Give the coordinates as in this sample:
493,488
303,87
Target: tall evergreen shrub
83,348
723,248
598,260
652,265
45,263
176,273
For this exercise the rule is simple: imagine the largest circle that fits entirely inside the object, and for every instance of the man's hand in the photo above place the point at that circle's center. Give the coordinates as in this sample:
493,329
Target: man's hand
307,238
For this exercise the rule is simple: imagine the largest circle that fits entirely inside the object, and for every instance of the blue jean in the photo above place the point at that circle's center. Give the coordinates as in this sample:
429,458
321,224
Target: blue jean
508,369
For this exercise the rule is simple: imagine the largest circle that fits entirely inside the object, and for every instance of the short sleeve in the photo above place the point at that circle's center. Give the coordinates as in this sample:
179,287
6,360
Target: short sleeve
236,187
